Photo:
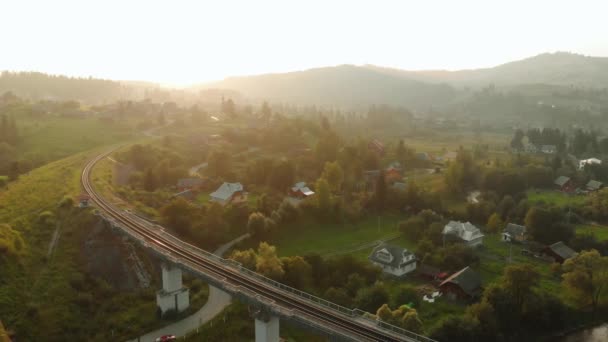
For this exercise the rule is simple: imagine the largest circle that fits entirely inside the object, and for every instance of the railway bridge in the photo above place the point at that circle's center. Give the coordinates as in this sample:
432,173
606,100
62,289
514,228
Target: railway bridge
270,300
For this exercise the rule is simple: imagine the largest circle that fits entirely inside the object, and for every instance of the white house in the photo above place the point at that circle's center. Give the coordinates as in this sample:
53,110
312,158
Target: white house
590,161
300,190
465,233
548,149
393,260
229,193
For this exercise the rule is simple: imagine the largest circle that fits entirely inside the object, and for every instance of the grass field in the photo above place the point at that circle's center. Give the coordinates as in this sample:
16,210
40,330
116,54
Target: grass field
53,138
600,232
311,237
555,197
494,257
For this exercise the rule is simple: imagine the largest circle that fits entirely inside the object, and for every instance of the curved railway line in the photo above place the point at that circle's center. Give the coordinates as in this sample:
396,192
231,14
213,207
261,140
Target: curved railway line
324,318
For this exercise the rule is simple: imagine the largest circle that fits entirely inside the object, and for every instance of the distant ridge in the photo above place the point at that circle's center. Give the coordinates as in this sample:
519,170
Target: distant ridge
355,86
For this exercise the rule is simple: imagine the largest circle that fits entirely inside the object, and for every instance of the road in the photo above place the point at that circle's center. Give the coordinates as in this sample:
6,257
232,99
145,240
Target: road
280,299
218,300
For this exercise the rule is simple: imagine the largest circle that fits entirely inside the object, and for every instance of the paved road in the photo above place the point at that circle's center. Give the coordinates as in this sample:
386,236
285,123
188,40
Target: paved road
217,302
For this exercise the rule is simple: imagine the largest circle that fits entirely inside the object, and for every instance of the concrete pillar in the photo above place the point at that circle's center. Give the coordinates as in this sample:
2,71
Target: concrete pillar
172,278
267,330
173,296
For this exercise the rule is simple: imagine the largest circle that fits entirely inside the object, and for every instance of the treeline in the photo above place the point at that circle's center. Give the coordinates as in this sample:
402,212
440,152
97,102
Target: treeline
155,167
580,142
39,86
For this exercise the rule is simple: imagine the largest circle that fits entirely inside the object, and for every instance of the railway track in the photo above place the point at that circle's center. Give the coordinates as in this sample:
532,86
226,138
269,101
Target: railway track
325,318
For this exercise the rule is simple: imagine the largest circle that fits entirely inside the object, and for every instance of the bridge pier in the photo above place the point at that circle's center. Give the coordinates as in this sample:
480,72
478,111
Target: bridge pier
173,296
266,326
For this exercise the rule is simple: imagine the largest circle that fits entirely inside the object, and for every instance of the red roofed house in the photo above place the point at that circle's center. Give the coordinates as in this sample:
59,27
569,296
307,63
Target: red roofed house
464,284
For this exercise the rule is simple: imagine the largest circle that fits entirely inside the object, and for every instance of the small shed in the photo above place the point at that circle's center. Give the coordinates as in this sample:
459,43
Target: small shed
594,185
564,183
83,200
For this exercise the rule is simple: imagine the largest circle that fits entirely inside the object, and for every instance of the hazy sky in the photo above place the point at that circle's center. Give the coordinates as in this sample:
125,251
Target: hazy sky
183,42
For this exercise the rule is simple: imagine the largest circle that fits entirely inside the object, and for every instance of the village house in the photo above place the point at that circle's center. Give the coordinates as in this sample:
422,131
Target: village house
464,284
590,161
461,232
559,252
531,148
376,146
548,149
594,185
301,191
514,233
393,260
564,184
184,184
229,193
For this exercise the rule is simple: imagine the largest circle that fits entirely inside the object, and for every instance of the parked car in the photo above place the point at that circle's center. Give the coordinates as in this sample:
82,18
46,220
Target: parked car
166,338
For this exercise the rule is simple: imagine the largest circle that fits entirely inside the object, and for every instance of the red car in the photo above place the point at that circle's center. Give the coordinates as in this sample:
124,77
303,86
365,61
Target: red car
166,338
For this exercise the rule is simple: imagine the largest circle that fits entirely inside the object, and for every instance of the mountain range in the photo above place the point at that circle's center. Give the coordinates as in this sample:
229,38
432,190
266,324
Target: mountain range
354,86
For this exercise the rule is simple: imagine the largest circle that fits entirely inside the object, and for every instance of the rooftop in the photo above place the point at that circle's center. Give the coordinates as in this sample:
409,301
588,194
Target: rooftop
226,190
467,279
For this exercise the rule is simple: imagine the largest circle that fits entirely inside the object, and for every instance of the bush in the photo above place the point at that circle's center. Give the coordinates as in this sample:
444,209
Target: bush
66,202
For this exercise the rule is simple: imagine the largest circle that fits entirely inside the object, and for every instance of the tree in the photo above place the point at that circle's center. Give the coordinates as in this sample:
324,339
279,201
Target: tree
268,263
380,194
586,278
282,175
385,313
456,328
516,142
219,163
334,175
338,296
247,258
323,195
405,295
256,225
520,281
298,272
228,108
150,180
461,174
265,111
371,298
495,223
411,322
545,226
178,215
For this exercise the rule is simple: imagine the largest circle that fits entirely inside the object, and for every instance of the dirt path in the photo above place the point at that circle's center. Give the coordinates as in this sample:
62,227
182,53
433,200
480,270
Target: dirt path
54,240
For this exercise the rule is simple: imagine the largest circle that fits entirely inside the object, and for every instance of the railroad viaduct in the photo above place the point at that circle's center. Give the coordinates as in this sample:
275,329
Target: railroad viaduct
270,300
